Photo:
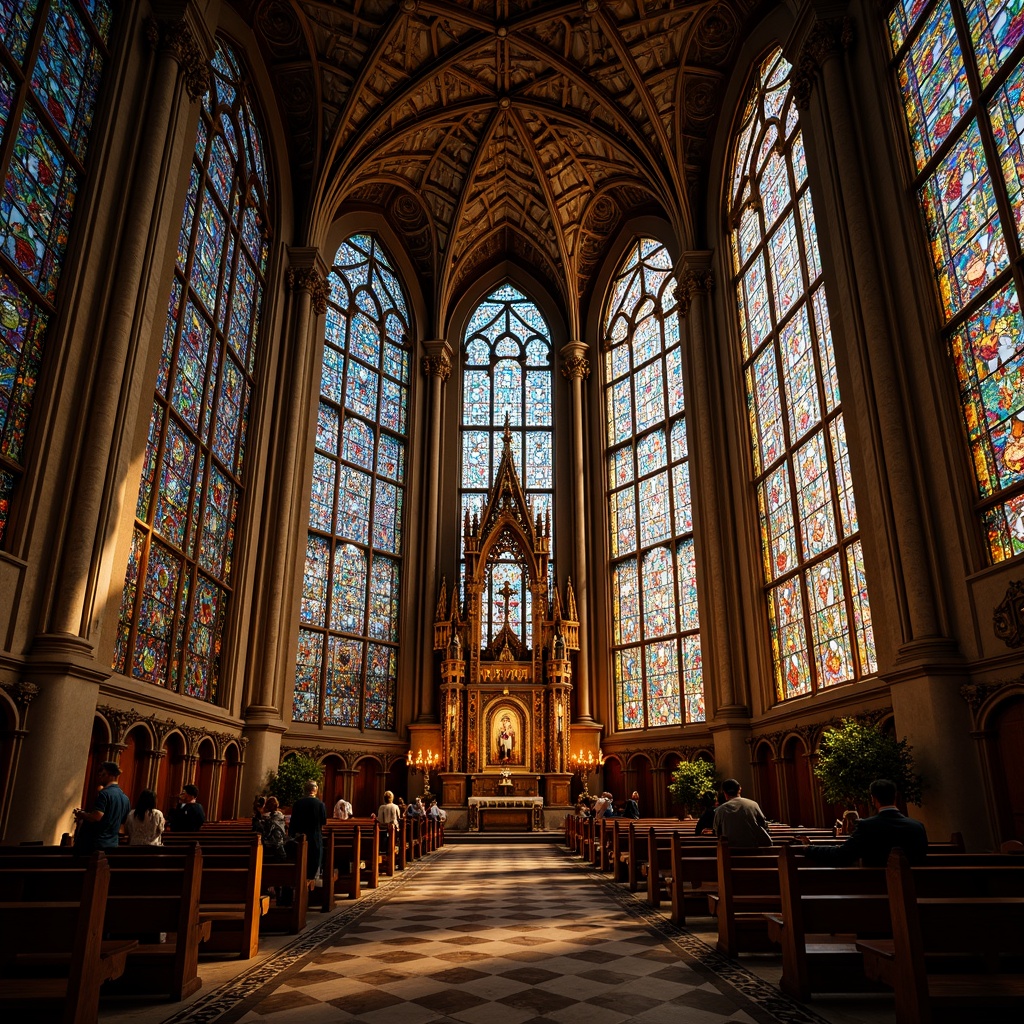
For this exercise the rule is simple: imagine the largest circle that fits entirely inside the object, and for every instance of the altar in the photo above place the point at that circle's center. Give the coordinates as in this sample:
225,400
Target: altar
506,813
505,640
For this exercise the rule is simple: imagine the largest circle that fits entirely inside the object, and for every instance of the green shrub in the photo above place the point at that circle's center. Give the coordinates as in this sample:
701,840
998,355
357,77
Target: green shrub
853,755
690,781
291,776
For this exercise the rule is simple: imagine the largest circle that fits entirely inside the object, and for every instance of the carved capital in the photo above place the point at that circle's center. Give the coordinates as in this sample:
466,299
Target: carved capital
309,279
438,365
576,367
827,38
22,692
1008,617
177,39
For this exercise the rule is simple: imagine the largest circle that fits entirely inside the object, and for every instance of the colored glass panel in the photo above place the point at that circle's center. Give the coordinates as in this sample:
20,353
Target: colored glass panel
959,205
801,463
193,483
996,27
653,597
361,424
1006,115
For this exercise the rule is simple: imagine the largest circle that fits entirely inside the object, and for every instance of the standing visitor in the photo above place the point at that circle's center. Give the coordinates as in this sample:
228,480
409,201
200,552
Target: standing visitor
189,815
99,828
309,815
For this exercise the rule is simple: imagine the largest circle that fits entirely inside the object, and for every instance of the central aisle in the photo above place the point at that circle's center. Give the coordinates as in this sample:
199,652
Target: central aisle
497,935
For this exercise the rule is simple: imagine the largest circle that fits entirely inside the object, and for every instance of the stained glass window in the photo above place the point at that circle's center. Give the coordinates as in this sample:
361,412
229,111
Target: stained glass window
818,612
506,359
346,672
52,56
656,657
965,120
178,583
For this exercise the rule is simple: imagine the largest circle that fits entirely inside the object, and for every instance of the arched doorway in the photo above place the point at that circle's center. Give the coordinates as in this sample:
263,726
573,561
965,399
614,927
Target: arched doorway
766,782
1006,727
230,772
331,790
365,798
170,776
205,774
796,770
397,782
643,782
669,807
613,780
134,762
8,742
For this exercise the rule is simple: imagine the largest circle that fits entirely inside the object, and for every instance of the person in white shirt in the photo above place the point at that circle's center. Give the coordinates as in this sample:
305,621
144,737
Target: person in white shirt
343,809
145,825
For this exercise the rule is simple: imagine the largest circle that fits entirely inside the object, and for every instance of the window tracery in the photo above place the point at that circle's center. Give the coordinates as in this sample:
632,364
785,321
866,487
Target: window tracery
347,665
52,58
958,65
506,357
178,582
818,610
658,669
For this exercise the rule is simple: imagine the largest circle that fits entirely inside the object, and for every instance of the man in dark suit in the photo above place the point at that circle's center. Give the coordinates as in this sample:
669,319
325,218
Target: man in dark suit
873,838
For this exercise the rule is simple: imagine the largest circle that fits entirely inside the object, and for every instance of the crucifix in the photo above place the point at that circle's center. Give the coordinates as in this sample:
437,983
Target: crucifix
506,592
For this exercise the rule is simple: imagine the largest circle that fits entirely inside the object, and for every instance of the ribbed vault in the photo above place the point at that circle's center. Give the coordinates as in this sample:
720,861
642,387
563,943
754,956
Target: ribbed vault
491,130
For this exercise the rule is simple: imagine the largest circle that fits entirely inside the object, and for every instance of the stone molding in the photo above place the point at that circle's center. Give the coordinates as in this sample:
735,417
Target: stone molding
122,721
177,39
386,758
438,365
1008,616
812,732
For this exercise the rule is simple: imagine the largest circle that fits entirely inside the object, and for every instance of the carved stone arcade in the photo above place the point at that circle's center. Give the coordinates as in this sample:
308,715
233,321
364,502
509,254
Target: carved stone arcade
504,705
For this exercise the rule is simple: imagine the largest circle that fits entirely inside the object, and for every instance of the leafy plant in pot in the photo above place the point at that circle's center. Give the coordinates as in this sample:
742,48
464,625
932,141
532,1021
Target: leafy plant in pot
291,776
852,755
690,781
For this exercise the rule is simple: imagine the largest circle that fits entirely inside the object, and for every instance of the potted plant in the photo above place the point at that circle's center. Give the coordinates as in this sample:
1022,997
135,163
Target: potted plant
852,755
291,775
690,781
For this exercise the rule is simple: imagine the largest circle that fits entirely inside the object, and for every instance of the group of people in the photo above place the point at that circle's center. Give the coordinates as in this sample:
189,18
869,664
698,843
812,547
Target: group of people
99,828
868,840
603,806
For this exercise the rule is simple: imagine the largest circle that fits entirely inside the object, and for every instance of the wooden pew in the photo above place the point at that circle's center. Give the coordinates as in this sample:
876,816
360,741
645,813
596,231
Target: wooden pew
341,875
152,891
231,897
965,930
290,874
825,910
62,937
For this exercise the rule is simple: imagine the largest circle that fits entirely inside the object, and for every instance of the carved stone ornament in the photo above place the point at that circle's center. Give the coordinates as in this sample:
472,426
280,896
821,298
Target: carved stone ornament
122,721
1008,617
576,367
438,366
310,280
826,39
176,38
977,693
22,692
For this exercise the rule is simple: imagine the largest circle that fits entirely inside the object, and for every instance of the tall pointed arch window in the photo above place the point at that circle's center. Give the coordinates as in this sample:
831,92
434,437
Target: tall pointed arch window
958,63
347,666
658,672
52,57
506,359
818,610
178,582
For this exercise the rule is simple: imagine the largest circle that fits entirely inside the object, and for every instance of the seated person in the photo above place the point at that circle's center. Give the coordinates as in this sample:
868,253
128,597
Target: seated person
740,820
874,838
705,823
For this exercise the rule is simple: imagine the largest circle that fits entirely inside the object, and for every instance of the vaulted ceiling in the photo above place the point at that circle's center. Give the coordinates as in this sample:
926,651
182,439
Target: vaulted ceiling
491,130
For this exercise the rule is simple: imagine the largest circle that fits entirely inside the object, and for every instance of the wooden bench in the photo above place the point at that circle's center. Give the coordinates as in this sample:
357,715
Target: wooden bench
824,911
61,938
151,892
965,931
341,875
231,896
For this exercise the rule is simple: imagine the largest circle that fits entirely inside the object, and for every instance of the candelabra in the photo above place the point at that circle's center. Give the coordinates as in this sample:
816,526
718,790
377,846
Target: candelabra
423,763
583,764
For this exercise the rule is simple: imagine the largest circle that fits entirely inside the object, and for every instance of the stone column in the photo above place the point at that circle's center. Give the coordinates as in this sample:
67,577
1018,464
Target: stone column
268,709
437,366
576,369
927,675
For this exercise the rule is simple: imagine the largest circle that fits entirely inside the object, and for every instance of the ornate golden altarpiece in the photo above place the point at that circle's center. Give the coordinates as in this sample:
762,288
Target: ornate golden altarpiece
504,706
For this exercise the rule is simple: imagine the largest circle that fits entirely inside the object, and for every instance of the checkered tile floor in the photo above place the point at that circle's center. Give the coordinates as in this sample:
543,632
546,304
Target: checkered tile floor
500,935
